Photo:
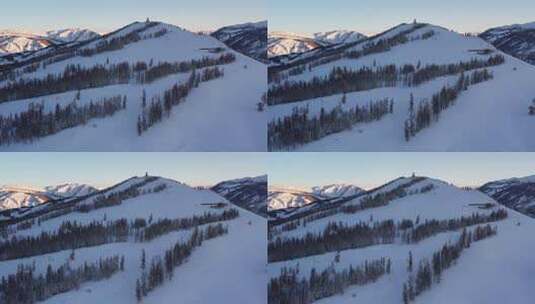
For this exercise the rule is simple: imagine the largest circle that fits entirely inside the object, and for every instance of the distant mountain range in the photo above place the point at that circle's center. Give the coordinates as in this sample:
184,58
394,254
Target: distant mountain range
16,42
283,43
12,197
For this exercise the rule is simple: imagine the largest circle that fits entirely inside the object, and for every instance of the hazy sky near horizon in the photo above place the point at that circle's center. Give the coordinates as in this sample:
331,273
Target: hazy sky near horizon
105,16
374,16
105,169
369,170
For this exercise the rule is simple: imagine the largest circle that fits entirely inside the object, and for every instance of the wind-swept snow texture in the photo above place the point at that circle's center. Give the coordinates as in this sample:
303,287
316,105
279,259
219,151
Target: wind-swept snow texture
219,115
495,270
210,275
489,116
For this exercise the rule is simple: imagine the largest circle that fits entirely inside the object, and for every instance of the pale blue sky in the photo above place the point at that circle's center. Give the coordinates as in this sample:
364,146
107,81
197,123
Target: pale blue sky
104,169
369,170
374,16
107,15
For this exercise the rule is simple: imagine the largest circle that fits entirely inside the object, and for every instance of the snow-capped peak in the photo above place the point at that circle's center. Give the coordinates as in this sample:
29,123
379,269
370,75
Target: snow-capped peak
338,36
72,35
337,190
70,190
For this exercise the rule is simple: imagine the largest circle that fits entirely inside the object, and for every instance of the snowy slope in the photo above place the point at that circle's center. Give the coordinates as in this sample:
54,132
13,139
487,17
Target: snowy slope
210,273
212,118
248,192
515,193
517,40
248,38
489,116
489,271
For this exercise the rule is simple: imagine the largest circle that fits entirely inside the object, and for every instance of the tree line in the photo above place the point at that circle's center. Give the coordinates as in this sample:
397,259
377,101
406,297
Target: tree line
299,128
344,80
292,288
35,123
433,227
340,236
27,287
154,112
428,273
73,235
77,77
175,256
429,111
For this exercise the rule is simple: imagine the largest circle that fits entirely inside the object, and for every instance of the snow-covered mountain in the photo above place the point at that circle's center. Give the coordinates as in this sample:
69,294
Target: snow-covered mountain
286,45
141,218
283,44
72,35
515,193
337,190
338,36
152,78
248,38
20,197
365,90
387,240
517,40
13,197
16,42
279,198
249,193
70,190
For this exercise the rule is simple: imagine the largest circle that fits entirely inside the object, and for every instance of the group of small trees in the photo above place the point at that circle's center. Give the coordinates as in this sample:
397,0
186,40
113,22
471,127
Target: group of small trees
432,227
26,287
344,80
154,112
335,237
532,107
340,236
429,112
34,123
164,226
428,273
175,256
72,235
299,128
290,288
77,77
